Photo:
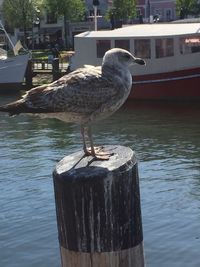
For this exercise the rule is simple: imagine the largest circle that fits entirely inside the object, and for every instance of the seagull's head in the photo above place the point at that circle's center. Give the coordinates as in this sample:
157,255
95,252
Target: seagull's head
121,57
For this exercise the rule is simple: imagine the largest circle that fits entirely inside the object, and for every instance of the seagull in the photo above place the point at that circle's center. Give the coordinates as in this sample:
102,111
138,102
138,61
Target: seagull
84,96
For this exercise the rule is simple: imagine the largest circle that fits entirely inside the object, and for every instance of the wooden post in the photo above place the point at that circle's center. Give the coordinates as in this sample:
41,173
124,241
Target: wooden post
98,210
29,74
55,69
43,65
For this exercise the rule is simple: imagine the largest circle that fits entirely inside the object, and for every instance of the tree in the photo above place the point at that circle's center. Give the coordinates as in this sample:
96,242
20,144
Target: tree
196,11
70,10
20,13
124,9
185,7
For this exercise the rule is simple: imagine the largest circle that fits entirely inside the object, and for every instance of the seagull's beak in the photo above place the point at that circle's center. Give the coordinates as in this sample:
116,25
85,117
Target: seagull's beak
139,61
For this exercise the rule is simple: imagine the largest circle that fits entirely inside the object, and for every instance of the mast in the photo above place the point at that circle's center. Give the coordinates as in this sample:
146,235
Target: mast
10,41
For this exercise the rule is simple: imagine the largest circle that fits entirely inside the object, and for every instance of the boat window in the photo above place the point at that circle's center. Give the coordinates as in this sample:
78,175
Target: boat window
124,44
102,47
142,48
164,47
189,45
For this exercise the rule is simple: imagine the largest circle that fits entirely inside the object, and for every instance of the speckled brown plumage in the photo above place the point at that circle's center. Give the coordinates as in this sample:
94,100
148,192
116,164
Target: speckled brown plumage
83,96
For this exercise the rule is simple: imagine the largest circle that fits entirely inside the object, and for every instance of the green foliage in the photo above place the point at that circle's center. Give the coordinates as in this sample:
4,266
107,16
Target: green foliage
196,11
72,10
41,54
124,9
186,7
19,13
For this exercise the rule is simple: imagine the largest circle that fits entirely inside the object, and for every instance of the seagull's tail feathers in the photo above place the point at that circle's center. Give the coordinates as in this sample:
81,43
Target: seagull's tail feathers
14,108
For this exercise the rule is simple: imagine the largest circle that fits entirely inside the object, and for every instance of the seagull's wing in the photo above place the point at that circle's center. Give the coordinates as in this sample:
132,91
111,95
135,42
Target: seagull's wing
82,91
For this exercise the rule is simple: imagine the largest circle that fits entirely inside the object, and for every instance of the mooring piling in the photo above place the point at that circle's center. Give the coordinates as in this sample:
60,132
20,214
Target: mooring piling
98,210
55,69
29,74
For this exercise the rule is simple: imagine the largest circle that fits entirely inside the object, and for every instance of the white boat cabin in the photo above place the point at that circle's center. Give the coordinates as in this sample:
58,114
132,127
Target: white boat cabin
165,47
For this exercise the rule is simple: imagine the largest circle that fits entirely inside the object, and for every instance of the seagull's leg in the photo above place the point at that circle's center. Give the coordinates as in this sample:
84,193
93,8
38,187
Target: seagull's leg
84,142
89,132
91,151
97,151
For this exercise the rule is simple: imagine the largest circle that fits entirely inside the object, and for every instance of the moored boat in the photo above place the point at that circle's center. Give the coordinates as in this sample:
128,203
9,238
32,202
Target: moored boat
12,68
171,51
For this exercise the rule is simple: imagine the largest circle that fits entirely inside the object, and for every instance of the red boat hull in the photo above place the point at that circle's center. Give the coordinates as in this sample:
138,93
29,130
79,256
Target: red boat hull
183,84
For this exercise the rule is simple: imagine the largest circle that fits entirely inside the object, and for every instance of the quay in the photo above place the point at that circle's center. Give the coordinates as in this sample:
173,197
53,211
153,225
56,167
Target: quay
44,71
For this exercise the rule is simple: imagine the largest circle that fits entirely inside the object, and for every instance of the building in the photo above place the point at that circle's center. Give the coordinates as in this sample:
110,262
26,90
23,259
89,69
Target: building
165,10
50,30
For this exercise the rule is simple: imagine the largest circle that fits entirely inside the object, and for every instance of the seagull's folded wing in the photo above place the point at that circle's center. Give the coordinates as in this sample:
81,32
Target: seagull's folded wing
82,91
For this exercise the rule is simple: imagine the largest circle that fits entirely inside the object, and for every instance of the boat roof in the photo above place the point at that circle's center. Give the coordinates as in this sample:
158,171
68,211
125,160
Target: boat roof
146,30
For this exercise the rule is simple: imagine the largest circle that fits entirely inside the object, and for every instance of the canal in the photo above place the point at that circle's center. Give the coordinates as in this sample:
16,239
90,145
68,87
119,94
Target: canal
166,139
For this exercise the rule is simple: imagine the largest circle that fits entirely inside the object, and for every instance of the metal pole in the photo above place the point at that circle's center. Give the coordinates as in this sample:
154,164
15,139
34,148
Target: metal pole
7,35
95,18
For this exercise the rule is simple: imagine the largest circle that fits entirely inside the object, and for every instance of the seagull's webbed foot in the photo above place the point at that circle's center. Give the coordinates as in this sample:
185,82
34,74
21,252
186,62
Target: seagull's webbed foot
99,153
96,152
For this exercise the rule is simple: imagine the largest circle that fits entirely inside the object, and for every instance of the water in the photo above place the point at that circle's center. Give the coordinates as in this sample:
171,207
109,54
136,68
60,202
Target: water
167,143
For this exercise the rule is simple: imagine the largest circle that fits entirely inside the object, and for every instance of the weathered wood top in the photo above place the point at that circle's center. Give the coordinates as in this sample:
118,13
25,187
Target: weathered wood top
78,164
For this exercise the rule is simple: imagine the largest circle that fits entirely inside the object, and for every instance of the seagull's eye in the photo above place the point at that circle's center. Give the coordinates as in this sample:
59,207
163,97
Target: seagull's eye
126,56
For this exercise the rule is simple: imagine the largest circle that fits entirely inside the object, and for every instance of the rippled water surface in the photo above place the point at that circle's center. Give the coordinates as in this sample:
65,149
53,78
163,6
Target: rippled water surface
166,139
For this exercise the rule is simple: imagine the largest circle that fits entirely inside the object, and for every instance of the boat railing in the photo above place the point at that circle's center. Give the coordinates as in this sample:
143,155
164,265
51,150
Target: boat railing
46,65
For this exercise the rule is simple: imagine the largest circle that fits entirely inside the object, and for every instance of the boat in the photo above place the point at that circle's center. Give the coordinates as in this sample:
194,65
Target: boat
171,52
13,67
